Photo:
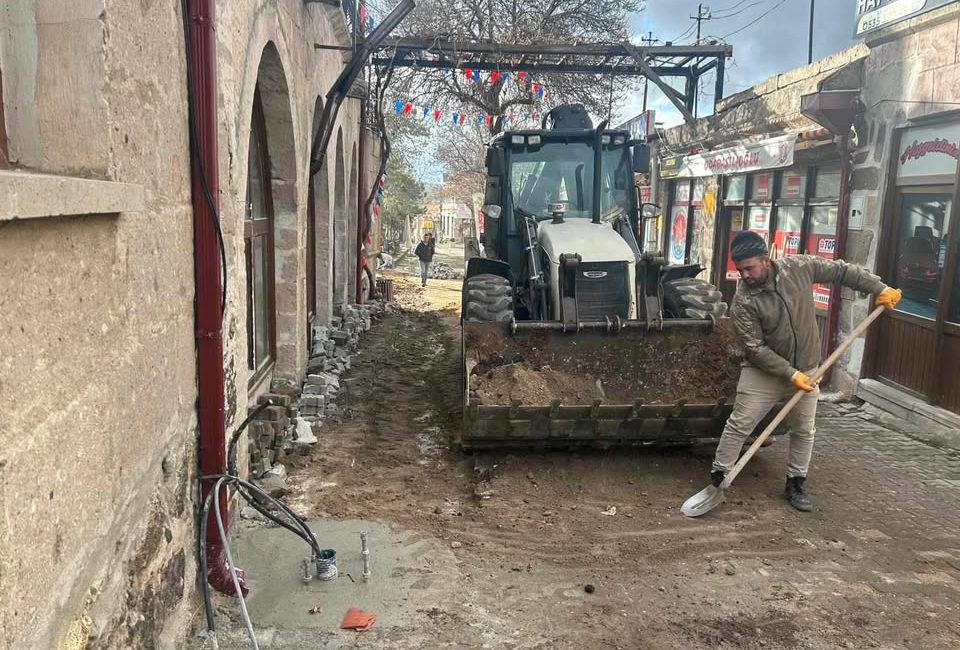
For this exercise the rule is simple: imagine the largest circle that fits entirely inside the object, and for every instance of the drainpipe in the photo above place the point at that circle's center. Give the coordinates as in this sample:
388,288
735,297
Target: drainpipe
202,97
840,250
361,199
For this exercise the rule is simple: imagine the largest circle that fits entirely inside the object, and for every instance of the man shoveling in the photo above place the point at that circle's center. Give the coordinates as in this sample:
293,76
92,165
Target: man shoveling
775,316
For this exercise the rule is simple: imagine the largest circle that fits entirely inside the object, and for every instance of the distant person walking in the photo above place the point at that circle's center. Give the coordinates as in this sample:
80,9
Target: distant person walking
424,251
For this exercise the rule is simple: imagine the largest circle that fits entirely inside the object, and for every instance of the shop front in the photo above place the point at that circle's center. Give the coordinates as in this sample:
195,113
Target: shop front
786,189
916,348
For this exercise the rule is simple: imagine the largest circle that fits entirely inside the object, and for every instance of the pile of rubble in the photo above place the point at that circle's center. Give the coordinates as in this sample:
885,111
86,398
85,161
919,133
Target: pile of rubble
330,357
287,427
441,271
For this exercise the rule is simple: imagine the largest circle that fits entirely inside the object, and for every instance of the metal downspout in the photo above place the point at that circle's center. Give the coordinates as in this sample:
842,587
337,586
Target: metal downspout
843,220
361,199
208,292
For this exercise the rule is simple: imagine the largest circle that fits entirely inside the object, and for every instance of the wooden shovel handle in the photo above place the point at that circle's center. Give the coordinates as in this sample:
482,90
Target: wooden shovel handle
846,343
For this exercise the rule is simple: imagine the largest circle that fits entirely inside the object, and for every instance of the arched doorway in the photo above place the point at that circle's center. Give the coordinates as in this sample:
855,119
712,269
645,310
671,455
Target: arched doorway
271,234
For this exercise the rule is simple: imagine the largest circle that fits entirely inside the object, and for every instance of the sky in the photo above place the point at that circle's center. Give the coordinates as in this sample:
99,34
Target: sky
775,43
771,38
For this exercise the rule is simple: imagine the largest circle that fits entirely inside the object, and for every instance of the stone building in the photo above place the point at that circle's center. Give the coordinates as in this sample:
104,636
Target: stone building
98,348
854,156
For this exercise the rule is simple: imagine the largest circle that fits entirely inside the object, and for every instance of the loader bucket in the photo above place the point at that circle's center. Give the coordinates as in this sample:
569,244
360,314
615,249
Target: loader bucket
532,384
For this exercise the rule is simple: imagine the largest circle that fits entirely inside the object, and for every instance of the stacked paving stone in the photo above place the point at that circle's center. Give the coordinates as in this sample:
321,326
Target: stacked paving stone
269,433
287,426
442,271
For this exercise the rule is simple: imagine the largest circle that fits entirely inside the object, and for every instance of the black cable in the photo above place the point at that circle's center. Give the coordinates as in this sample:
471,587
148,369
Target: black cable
232,447
202,552
197,160
755,20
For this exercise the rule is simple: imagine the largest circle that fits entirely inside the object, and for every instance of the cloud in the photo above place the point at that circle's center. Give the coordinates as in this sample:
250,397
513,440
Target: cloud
775,43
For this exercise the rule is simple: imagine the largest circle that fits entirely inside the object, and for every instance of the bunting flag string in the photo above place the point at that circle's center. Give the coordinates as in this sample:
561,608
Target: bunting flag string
460,117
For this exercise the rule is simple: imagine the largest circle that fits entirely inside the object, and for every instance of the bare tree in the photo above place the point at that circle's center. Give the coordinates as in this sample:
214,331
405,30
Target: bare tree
514,22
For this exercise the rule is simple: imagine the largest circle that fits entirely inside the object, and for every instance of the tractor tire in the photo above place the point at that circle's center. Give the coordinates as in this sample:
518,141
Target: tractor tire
693,298
487,298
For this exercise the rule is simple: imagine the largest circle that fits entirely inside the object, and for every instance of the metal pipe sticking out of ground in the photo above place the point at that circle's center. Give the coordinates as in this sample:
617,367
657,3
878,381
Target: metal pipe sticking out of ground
365,555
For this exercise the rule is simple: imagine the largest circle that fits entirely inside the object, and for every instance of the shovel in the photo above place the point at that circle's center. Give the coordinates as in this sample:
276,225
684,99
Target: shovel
710,497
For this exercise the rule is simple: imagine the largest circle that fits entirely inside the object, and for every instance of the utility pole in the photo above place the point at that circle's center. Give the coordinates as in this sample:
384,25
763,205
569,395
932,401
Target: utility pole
703,13
647,42
810,36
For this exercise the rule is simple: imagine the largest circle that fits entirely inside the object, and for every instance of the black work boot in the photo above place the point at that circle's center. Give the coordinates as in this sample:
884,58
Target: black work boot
716,477
795,494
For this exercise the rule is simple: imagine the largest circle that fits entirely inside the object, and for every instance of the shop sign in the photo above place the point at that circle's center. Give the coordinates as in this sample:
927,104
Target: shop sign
929,151
768,154
824,246
786,243
645,193
872,15
640,126
678,237
736,224
792,185
670,166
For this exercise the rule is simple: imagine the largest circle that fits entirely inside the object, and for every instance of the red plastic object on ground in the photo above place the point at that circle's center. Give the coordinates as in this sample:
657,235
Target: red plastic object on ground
357,619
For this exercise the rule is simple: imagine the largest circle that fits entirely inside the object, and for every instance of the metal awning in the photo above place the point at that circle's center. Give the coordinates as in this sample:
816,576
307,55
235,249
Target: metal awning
688,62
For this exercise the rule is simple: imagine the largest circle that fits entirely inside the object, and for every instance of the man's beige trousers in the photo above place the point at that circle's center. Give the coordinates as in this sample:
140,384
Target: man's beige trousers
757,393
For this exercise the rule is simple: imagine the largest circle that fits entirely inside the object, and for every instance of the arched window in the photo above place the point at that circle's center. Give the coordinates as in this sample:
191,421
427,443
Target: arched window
258,245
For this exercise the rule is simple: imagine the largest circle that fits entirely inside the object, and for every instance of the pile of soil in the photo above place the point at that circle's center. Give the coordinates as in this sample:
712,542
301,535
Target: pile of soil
517,381
698,367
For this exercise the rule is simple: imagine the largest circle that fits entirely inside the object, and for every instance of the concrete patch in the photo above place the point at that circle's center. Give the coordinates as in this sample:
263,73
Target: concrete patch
409,573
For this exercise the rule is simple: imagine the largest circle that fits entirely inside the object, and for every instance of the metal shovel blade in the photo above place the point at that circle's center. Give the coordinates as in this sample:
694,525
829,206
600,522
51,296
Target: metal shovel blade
702,502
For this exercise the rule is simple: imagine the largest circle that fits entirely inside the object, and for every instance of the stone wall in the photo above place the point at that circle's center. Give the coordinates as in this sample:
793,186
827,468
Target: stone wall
97,356
911,67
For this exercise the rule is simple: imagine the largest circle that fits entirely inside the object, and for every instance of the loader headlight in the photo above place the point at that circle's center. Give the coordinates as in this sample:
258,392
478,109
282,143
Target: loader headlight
534,140
516,140
619,139
604,139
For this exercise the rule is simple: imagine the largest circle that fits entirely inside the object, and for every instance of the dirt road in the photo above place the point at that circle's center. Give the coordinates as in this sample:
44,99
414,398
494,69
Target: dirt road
540,559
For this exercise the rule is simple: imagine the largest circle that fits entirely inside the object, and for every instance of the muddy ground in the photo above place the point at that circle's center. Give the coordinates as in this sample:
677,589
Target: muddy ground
589,550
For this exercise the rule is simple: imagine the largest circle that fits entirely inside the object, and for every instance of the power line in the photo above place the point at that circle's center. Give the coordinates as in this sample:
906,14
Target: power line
737,13
733,7
755,20
685,33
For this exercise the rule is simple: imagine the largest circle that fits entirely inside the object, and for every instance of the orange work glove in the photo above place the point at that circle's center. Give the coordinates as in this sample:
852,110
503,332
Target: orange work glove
889,297
802,382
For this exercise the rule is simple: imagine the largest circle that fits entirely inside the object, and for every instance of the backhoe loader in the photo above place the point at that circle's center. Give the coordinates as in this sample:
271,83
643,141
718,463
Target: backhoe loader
572,334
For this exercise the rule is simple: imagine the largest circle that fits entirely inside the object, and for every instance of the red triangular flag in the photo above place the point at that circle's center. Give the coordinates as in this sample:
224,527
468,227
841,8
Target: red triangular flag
521,75
436,115
494,77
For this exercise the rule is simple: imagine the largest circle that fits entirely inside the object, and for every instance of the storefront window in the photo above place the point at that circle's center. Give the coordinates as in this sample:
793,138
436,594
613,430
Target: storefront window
736,188
953,313
761,186
679,214
822,241
827,183
921,252
758,220
786,240
793,185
